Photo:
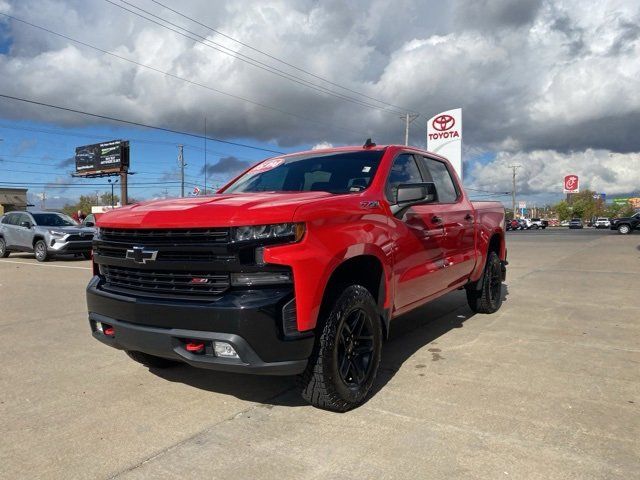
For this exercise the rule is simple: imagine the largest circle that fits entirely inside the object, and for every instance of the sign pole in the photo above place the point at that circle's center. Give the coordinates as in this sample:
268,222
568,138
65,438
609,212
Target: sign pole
124,197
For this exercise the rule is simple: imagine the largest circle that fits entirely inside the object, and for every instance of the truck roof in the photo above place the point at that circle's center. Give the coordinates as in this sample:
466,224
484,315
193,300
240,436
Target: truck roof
357,148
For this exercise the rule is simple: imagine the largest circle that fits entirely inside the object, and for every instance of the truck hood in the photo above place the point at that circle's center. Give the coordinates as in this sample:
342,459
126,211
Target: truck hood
214,211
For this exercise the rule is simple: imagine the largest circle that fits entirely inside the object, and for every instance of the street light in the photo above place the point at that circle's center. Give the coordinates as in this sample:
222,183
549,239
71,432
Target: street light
112,184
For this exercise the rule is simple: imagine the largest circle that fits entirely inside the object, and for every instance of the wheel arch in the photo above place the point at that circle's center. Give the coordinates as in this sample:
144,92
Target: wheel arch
366,270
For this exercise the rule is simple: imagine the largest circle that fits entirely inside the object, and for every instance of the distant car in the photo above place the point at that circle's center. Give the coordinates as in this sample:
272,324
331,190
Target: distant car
626,225
602,222
537,223
576,223
44,233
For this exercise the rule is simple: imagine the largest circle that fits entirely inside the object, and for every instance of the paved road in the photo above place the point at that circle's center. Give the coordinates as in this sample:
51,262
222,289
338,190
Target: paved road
547,388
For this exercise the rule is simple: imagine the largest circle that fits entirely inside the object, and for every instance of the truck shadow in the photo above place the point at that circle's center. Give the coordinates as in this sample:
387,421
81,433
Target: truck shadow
409,333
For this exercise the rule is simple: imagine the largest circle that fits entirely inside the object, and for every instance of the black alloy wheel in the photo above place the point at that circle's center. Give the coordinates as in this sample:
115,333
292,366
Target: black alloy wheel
355,348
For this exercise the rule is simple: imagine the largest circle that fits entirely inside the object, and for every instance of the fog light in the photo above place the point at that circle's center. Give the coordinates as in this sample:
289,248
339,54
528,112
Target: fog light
259,278
223,349
99,327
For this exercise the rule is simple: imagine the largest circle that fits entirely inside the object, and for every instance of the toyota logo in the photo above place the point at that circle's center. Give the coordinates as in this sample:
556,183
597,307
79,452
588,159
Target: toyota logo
443,122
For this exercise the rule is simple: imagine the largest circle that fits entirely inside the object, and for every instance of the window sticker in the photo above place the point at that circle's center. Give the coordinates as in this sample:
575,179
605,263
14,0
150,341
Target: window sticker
267,165
366,169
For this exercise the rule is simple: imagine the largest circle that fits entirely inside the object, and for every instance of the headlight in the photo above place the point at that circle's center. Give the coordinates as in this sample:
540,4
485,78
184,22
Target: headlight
97,234
292,231
57,233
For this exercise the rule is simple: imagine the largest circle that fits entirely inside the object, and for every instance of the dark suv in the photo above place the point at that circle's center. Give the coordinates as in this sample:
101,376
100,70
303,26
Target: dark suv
626,225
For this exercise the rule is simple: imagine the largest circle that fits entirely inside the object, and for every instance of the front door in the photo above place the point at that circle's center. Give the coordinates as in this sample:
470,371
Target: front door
418,259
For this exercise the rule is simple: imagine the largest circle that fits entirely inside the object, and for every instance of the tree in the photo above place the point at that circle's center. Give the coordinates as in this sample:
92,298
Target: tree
105,199
563,209
84,203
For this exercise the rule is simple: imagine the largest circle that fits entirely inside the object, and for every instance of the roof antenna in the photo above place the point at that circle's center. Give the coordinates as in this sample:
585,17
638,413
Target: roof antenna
368,144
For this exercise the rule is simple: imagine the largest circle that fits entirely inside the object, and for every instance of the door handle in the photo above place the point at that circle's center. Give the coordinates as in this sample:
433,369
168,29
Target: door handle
468,217
436,219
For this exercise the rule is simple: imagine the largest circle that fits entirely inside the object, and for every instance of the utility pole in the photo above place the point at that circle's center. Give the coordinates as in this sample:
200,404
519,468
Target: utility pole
43,200
205,155
408,119
182,165
513,190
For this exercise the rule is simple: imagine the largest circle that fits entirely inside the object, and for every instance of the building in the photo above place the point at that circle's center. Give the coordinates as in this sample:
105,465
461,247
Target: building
13,199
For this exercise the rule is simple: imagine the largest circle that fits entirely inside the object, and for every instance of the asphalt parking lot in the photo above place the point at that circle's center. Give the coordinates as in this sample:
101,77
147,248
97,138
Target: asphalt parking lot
548,388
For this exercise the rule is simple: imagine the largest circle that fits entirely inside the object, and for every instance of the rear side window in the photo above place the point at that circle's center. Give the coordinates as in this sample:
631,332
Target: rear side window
404,170
11,219
445,186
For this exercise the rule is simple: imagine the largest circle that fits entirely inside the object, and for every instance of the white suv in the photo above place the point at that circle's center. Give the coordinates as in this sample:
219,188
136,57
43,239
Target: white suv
602,222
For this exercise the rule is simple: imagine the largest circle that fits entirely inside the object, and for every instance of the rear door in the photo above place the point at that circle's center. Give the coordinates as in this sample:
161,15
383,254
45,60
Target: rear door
9,228
458,222
418,259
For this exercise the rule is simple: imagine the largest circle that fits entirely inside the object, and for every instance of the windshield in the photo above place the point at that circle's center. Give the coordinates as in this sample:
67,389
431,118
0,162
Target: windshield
347,172
53,220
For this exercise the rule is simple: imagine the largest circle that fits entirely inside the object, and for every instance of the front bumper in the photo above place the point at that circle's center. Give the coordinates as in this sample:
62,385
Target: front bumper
60,246
249,320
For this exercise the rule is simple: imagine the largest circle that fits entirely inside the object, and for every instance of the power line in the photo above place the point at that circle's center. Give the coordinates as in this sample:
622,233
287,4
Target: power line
137,124
138,140
273,57
244,58
177,77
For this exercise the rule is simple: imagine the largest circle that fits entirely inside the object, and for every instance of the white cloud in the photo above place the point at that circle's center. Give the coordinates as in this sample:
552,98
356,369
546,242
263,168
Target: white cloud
321,145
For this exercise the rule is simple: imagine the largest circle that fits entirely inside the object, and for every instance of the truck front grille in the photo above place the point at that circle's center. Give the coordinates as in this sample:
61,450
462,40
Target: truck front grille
165,236
176,284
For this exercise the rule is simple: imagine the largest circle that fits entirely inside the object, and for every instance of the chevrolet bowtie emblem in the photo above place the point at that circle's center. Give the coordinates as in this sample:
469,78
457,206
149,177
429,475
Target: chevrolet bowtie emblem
140,255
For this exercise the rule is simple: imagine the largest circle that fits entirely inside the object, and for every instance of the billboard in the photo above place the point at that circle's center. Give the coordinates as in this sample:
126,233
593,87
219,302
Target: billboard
102,158
444,137
571,184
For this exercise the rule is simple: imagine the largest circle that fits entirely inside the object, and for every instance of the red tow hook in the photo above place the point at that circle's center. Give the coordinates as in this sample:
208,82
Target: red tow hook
110,331
195,347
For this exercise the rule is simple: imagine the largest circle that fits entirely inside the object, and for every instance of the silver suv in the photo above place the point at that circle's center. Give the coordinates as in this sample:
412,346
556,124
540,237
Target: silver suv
44,233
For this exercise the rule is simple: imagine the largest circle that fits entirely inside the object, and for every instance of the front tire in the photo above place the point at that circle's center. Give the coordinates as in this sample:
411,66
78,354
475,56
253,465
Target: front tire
346,356
4,253
40,250
489,298
624,229
151,361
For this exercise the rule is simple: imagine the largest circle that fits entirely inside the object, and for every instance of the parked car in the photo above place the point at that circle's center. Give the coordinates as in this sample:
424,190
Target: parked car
537,223
44,233
513,224
564,223
602,222
298,266
626,225
576,223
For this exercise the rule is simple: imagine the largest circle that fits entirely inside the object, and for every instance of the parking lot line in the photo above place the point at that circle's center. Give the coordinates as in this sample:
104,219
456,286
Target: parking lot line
45,265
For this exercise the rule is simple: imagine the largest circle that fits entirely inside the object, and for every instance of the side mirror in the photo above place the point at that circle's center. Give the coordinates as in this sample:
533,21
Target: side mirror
409,193
26,224
89,224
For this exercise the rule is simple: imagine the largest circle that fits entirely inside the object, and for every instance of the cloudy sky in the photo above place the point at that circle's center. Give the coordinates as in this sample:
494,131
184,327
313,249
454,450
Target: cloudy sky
551,85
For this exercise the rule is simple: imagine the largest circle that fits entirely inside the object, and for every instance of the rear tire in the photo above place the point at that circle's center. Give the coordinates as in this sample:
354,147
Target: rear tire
40,250
624,229
4,253
489,298
346,356
151,361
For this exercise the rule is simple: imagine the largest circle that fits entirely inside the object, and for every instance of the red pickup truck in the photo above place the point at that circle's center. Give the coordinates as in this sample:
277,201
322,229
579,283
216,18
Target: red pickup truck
297,266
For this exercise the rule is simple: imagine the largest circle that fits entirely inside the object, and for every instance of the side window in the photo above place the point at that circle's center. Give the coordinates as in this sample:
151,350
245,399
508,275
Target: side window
404,170
6,219
446,188
23,217
12,219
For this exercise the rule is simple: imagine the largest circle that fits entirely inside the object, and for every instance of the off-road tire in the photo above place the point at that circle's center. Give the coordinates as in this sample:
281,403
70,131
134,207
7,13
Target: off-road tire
151,361
4,253
624,229
487,299
40,251
321,383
